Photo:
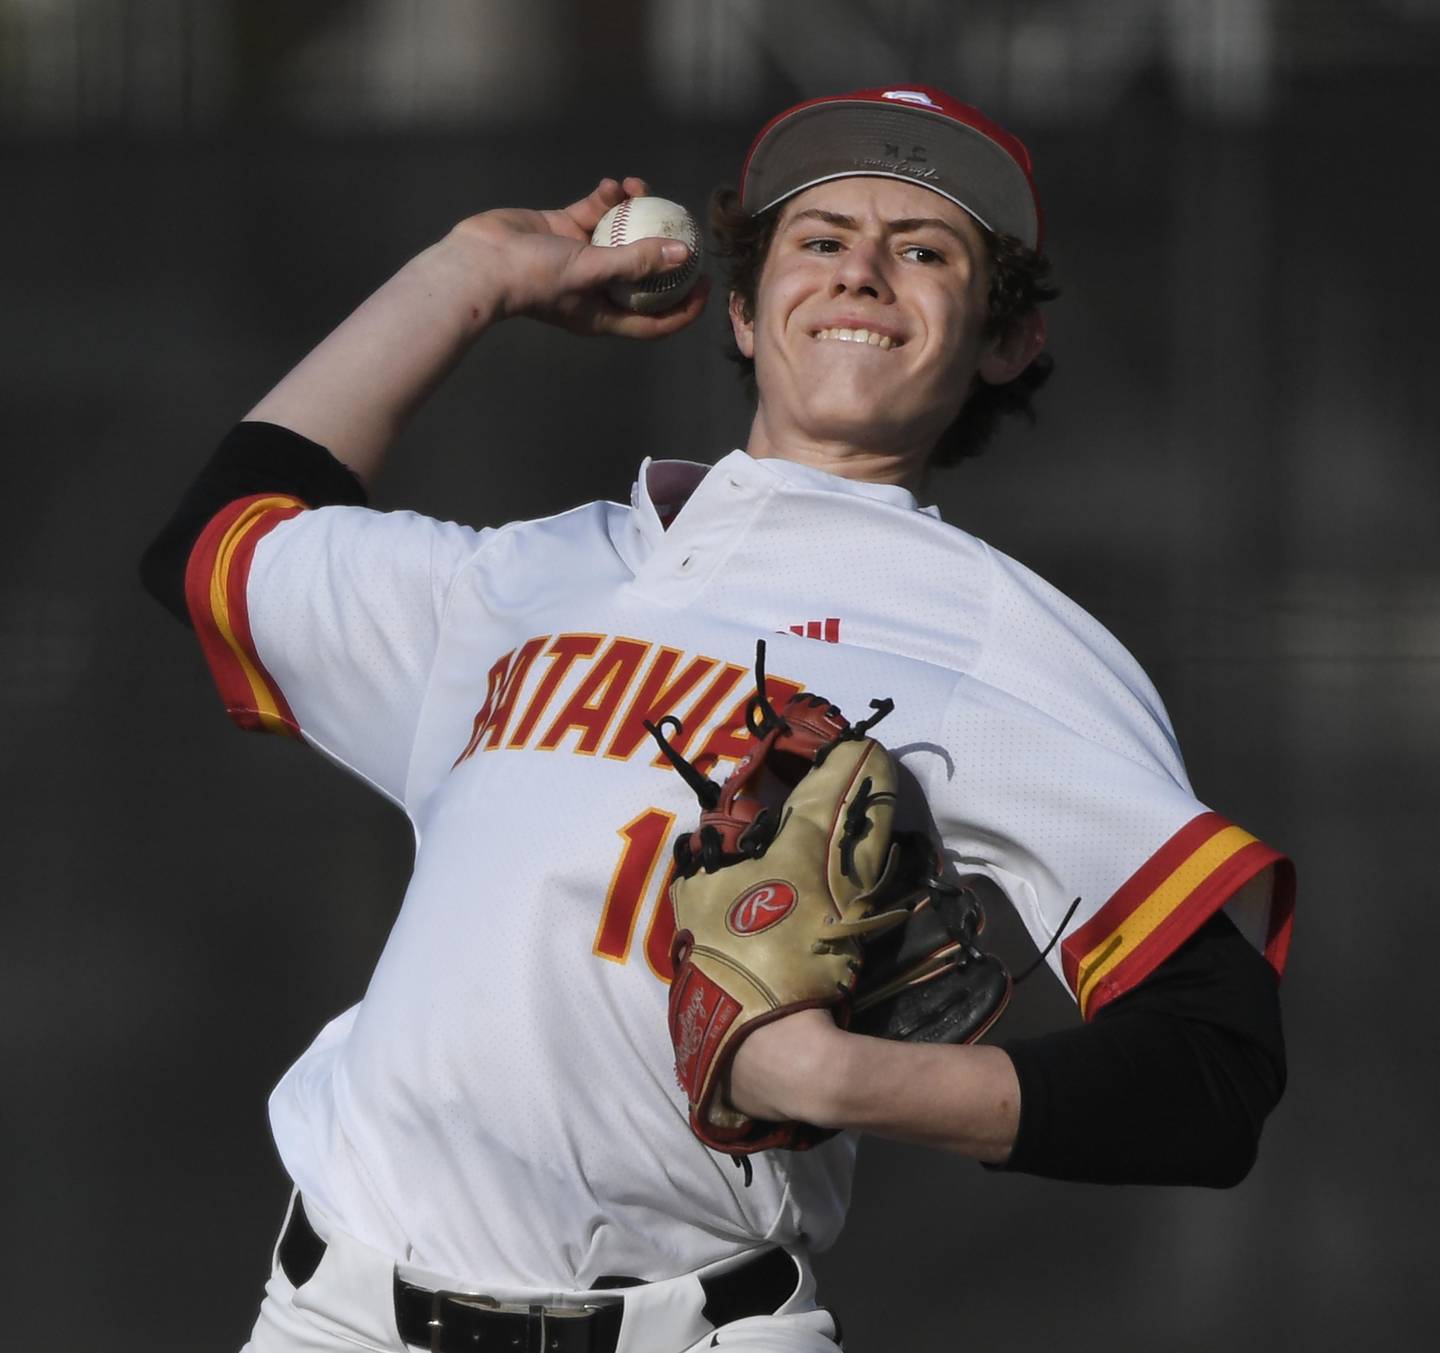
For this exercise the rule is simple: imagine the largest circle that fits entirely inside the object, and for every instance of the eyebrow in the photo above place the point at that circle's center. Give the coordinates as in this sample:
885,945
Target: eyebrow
904,226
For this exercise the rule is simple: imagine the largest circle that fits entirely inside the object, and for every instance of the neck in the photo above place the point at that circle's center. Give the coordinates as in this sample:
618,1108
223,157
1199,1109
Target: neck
849,460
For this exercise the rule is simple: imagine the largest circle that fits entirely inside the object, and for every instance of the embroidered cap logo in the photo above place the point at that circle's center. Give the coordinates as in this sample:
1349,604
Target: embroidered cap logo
910,96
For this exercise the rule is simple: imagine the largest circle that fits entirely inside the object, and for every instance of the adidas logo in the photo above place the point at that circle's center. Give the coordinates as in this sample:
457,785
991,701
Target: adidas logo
828,630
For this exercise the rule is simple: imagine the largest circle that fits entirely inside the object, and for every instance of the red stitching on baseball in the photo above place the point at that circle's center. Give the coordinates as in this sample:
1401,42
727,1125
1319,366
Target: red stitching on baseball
617,224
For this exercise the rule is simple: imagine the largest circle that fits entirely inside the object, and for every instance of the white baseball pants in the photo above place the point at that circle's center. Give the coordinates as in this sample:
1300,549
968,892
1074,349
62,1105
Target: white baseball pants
348,1304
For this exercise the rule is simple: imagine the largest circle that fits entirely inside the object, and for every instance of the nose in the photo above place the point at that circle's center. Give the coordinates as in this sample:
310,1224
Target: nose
863,270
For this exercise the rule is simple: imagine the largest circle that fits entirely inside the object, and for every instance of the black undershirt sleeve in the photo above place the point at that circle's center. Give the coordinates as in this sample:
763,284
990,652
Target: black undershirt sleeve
1169,1084
252,458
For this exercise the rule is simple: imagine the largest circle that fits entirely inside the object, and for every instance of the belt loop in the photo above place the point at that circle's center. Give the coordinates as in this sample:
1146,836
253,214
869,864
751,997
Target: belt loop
537,1324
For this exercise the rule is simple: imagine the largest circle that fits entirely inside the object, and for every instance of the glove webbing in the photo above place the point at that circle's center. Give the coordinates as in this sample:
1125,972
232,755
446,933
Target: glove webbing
734,823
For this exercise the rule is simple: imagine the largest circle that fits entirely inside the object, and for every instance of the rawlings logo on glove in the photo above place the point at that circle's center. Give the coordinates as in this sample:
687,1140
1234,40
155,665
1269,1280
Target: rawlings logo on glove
761,908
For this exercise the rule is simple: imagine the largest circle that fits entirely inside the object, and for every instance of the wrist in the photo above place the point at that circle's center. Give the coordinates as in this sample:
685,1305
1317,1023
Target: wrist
810,1084
464,270
785,1070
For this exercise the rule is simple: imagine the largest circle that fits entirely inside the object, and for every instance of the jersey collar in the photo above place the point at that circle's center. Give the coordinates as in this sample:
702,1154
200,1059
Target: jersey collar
808,477
665,486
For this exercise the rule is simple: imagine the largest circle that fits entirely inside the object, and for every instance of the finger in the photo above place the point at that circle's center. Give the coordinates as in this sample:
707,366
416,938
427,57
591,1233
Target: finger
631,262
586,213
635,187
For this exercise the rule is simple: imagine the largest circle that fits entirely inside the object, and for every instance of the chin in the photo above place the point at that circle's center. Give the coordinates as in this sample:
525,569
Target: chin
856,423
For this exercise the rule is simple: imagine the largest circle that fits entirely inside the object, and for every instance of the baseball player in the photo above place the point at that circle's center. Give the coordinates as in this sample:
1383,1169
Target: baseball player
490,1150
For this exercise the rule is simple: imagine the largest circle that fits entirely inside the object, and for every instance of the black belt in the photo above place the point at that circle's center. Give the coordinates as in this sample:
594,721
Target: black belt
456,1322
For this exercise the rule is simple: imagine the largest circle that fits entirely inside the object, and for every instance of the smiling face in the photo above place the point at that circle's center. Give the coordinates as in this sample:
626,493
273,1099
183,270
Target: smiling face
868,326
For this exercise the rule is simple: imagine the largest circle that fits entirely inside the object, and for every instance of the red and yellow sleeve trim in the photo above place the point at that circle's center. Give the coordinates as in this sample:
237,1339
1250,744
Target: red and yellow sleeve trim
215,582
1166,900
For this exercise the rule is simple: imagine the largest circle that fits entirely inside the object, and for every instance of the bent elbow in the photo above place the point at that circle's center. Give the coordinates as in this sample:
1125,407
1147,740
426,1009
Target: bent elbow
1232,1162
1243,1101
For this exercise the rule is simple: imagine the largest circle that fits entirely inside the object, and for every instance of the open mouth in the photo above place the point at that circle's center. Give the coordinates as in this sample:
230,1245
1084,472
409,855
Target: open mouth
864,336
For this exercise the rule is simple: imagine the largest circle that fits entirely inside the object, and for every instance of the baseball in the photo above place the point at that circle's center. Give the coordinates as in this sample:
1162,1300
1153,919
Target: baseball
640,218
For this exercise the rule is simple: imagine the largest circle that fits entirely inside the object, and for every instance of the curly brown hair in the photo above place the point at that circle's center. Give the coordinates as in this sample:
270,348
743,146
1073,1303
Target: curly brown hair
1020,279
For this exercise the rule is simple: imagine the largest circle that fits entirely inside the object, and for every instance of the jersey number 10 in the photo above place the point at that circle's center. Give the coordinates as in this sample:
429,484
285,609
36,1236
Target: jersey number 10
646,839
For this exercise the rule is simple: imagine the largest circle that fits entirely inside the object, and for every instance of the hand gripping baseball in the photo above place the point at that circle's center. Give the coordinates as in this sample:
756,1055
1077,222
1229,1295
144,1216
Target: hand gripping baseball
549,270
772,893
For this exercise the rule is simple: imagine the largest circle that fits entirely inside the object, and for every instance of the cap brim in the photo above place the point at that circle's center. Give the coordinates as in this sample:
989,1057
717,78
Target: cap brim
835,139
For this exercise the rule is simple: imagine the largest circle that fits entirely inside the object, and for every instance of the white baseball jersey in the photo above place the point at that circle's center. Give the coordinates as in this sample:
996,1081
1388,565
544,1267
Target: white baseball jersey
502,1104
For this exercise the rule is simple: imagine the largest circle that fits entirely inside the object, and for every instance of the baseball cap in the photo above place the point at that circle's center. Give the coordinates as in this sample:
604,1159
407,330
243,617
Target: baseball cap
913,132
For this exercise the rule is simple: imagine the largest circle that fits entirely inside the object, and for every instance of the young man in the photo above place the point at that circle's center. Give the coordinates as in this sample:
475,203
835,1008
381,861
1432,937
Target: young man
490,1150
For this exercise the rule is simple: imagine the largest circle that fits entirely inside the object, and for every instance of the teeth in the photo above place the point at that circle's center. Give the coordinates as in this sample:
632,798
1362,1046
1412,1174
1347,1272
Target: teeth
883,341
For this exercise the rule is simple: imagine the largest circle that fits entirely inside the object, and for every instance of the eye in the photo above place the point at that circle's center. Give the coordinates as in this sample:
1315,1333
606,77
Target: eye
822,245
920,253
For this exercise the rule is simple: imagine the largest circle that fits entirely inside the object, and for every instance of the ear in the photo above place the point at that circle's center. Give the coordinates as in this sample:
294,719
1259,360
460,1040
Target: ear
1007,356
742,328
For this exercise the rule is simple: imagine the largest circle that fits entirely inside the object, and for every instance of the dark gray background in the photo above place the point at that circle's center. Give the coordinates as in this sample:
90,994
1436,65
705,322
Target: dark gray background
1234,468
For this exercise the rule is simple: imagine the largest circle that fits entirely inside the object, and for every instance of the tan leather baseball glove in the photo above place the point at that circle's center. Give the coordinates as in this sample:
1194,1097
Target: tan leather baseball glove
792,874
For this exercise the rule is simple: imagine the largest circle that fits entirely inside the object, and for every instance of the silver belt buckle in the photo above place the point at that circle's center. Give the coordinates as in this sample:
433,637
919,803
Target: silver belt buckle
545,1314
437,1299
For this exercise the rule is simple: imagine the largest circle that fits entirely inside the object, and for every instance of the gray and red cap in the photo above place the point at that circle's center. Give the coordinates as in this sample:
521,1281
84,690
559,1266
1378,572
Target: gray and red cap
914,133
